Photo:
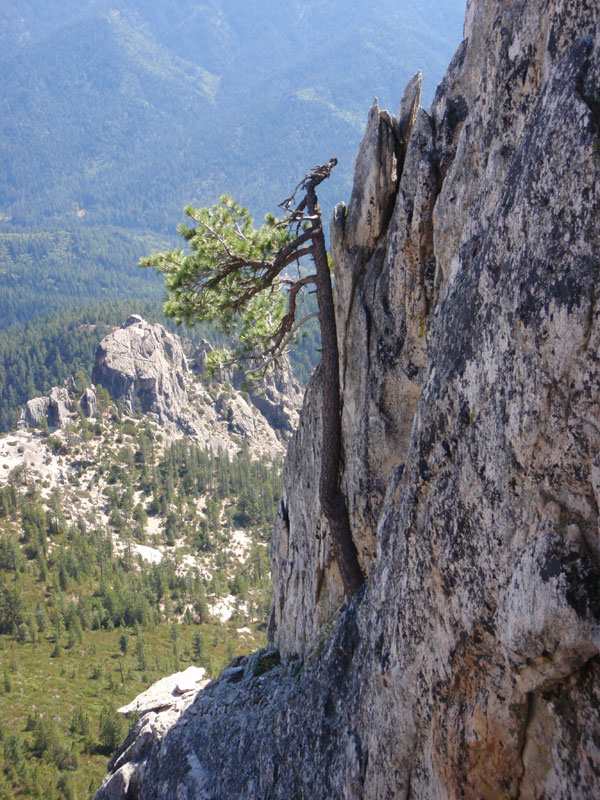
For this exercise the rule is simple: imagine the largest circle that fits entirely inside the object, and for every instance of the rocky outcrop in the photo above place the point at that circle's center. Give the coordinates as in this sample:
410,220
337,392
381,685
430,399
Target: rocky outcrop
144,368
277,395
174,691
466,280
56,409
145,364
88,402
59,406
35,412
198,360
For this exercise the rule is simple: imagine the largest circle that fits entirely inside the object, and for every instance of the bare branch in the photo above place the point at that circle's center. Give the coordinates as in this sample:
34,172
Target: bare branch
262,367
306,251
220,238
293,246
306,280
239,232
279,336
312,179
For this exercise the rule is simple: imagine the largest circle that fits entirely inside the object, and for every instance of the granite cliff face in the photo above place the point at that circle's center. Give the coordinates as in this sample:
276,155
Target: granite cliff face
466,270
143,364
144,367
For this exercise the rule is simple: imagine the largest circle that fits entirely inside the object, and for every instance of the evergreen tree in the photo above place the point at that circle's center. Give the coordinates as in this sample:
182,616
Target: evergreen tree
240,278
110,728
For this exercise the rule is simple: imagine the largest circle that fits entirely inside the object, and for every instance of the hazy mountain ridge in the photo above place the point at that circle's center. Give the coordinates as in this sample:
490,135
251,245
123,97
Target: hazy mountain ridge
139,105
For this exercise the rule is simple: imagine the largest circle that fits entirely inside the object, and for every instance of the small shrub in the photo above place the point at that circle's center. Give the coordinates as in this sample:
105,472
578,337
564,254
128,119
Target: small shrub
266,661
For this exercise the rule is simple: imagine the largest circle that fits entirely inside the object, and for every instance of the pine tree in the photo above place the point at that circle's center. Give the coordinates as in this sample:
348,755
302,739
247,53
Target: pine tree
247,281
110,728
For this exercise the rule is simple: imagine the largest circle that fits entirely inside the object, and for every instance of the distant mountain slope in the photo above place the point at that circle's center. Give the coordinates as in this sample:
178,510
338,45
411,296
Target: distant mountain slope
95,121
127,111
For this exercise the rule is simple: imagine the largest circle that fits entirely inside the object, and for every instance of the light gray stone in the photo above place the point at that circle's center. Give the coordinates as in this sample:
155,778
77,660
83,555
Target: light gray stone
277,395
35,411
203,348
166,692
59,406
144,363
55,409
88,402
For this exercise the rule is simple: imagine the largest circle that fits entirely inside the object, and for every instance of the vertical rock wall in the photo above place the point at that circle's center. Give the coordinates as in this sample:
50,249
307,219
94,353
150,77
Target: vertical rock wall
466,272
427,187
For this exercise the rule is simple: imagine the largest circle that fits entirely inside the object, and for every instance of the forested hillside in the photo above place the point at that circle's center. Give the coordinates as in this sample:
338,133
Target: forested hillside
41,272
124,556
113,117
128,112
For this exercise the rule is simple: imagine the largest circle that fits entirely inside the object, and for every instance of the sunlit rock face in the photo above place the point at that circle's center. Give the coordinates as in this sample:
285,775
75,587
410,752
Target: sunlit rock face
144,366
144,363
466,275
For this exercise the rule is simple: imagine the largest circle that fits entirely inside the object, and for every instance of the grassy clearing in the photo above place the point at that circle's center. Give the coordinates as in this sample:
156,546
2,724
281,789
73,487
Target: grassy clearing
91,678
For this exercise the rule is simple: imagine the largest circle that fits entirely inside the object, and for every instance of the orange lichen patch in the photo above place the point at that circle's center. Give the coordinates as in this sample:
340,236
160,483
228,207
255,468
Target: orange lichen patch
478,726
492,760
481,755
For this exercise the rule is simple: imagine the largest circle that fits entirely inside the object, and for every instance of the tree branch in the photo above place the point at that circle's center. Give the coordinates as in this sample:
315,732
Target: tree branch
261,369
